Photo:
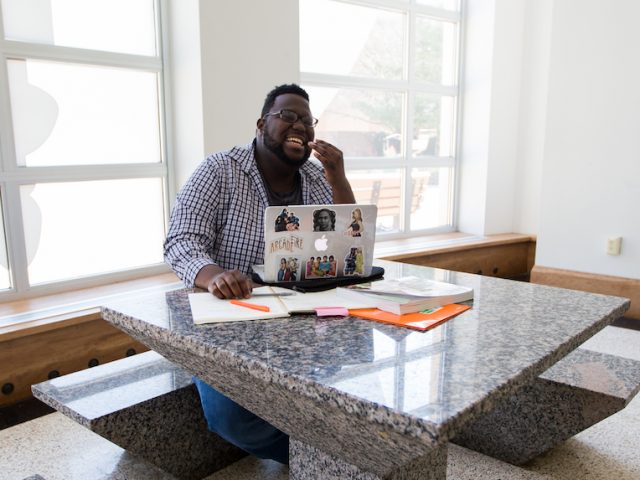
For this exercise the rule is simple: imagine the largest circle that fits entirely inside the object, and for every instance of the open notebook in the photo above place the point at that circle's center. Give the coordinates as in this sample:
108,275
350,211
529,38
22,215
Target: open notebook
205,308
317,242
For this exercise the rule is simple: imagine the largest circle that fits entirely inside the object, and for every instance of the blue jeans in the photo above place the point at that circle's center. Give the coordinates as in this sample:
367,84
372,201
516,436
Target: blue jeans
240,427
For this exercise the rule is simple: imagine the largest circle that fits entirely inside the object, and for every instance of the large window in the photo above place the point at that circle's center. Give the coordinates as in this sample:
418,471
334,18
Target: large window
383,80
83,173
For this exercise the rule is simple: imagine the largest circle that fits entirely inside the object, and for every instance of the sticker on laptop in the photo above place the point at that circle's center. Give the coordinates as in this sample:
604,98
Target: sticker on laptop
356,224
354,262
288,269
286,221
324,220
321,266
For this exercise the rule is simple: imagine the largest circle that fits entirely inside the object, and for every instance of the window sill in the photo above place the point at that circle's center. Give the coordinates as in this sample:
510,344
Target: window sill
40,314
444,243
34,315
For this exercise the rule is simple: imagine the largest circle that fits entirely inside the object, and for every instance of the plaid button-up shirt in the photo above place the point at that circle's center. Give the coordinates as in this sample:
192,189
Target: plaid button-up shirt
218,214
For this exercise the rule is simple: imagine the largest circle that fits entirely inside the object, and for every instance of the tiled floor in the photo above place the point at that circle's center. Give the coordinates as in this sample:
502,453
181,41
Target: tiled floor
57,448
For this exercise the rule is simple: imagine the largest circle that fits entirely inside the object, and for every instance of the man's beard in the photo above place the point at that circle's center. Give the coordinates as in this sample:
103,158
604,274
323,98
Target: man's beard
278,150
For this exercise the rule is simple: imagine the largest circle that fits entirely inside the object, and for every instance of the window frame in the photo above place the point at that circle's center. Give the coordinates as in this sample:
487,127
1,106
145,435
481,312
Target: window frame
410,87
13,176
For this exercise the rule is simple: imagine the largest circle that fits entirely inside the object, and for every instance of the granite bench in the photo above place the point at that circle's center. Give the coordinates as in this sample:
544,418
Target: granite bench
146,405
579,391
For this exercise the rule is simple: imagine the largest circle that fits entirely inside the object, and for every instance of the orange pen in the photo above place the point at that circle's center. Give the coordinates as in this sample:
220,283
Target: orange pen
262,308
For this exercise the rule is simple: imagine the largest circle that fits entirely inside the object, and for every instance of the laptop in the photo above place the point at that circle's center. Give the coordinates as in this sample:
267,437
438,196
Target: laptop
308,242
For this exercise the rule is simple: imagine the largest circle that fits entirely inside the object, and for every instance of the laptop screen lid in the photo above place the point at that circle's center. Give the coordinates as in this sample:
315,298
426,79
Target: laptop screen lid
306,242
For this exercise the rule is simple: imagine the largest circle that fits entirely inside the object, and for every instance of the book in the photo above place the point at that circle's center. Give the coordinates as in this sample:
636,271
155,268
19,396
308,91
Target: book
206,308
407,294
422,321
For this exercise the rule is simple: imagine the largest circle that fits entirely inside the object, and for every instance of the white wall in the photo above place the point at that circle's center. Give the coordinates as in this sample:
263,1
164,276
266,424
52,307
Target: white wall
493,47
183,56
551,133
476,114
244,48
248,48
532,114
591,165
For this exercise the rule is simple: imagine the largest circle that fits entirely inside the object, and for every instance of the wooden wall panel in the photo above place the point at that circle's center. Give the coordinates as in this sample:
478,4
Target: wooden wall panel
591,282
506,261
28,358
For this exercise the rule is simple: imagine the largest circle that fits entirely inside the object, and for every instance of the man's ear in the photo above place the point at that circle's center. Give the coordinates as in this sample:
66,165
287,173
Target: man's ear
260,124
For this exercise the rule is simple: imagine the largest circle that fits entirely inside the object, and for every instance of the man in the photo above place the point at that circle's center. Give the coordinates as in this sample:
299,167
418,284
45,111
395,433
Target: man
216,229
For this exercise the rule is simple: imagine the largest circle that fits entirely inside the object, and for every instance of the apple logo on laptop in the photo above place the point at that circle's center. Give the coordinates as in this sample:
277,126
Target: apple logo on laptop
321,243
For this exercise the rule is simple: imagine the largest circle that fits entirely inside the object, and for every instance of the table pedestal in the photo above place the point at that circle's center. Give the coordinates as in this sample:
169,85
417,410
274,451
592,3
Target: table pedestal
310,463
579,391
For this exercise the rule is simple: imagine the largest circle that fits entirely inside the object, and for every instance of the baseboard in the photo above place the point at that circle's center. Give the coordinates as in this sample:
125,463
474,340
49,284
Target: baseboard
591,282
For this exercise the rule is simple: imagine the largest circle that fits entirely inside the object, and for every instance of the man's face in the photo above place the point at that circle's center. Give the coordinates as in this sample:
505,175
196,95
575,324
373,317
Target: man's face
288,141
324,221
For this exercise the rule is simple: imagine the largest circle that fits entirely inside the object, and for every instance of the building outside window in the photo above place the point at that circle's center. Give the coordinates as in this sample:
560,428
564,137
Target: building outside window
83,170
383,79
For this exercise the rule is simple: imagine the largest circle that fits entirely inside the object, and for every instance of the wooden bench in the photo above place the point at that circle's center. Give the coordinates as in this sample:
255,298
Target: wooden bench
146,405
582,389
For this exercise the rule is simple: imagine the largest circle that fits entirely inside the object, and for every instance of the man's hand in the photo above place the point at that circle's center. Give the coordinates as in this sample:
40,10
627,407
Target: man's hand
224,283
333,163
230,284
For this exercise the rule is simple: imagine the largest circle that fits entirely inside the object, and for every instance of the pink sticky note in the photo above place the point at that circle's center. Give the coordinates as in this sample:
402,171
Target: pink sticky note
332,312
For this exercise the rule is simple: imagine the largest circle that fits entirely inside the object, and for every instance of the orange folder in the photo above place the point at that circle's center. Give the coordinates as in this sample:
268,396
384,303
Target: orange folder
418,321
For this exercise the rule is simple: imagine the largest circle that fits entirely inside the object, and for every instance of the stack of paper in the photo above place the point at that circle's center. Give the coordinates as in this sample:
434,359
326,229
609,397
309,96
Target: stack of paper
407,294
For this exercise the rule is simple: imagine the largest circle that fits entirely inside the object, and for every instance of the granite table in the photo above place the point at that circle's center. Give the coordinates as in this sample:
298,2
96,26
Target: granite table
366,400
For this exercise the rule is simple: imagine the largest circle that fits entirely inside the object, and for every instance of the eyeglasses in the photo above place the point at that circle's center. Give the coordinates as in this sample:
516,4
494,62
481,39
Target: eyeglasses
290,116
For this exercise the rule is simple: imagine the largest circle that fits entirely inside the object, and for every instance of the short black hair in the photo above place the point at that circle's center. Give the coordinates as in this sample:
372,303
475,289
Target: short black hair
281,90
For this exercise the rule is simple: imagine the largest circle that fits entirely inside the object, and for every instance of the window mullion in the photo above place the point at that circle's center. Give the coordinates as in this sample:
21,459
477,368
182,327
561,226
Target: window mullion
331,80
459,108
7,147
25,175
410,123
436,13
165,109
16,242
427,10
23,50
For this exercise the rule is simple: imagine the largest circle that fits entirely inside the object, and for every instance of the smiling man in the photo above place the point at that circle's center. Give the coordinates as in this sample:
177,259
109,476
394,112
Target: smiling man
216,229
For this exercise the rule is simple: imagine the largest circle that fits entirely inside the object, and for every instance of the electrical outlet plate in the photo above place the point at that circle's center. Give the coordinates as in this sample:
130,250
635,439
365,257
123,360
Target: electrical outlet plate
614,245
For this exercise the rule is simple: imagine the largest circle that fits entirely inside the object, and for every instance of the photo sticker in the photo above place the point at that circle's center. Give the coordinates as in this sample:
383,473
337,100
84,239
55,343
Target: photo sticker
354,262
287,221
321,266
288,269
356,224
324,220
